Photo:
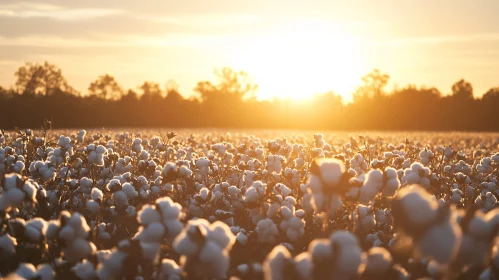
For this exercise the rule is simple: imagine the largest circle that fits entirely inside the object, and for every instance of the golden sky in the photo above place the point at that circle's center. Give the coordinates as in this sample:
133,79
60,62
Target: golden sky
290,48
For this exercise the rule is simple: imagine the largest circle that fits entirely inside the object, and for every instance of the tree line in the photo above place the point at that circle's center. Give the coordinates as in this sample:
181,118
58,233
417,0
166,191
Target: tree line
42,93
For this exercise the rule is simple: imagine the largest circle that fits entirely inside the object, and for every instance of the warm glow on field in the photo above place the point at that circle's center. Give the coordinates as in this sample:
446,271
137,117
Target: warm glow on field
301,59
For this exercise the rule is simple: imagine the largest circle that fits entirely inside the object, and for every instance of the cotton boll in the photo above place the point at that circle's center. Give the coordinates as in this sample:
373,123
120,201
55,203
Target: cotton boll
92,206
392,183
85,270
349,256
220,233
213,255
267,231
34,229
275,263
7,246
45,272
96,194
120,199
148,215
78,249
414,208
364,219
378,262
440,242
371,187
52,229
26,271
170,270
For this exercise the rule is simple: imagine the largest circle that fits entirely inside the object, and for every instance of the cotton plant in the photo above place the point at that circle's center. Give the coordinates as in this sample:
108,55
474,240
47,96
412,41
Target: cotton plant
15,191
274,164
71,231
479,232
325,185
204,248
432,226
292,223
379,264
339,257
416,174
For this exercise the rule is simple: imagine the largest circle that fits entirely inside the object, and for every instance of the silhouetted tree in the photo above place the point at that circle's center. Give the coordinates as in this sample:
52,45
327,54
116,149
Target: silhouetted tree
462,90
373,85
232,85
42,79
492,95
106,87
230,102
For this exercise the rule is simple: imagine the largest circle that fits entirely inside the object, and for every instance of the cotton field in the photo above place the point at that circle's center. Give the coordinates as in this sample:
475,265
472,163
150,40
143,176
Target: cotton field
105,204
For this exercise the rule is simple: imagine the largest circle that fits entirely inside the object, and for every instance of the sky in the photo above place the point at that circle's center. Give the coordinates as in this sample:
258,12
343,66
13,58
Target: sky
290,48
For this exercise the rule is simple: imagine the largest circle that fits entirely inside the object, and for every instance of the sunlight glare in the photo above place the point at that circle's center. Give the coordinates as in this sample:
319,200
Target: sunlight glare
302,59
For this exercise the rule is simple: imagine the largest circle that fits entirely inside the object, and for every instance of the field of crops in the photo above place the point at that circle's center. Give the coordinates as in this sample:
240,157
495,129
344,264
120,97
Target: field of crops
212,204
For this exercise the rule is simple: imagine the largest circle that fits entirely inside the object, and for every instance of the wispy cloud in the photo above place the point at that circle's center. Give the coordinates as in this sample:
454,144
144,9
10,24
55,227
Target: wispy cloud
442,39
208,20
37,10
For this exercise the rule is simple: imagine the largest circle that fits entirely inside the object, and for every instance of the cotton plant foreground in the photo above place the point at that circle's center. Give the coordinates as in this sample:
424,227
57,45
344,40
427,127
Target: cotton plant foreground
255,205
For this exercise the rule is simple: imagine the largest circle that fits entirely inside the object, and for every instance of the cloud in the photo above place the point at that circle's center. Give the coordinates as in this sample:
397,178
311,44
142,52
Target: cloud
442,39
39,10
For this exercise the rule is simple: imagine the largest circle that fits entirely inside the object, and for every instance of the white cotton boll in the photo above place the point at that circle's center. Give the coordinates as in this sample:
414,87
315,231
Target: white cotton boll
18,167
203,193
148,215
371,187
96,194
149,251
456,196
129,190
168,187
378,261
152,233
45,272
267,231
184,245
170,270
364,219
242,238
184,171
419,207
85,270
52,229
282,190
331,170
34,229
299,163
26,271
92,157
392,183
350,255
112,264
286,212
215,262
85,182
174,228
8,245
273,210
220,233
78,249
440,242
92,206
15,196
303,264
320,249
120,198
275,263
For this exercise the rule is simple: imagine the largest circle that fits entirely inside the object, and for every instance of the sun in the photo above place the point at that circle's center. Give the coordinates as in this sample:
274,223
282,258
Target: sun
301,59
